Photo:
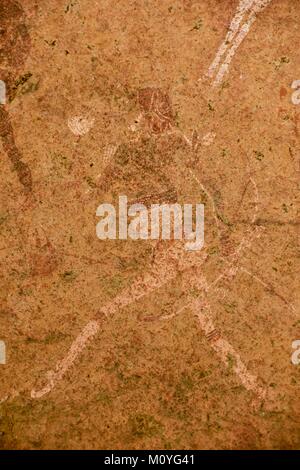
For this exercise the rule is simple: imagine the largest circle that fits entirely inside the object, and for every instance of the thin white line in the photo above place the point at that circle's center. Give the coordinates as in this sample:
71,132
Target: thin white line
90,330
242,8
235,36
225,351
162,271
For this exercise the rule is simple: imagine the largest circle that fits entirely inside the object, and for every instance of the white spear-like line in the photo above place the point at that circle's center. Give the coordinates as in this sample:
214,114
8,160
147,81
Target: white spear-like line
235,37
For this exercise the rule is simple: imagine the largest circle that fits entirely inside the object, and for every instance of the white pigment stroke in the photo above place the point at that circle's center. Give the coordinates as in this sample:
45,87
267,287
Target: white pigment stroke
235,37
225,350
162,271
90,330
242,8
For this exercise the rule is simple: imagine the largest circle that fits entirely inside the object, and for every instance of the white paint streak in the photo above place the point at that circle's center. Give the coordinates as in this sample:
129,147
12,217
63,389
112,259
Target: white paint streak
269,288
137,123
242,8
296,94
108,155
208,138
225,350
10,396
80,125
202,309
163,270
211,201
3,400
246,14
109,152
62,367
237,42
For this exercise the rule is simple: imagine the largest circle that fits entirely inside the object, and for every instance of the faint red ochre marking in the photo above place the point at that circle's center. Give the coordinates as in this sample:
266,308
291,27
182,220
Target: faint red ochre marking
43,260
283,92
157,109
